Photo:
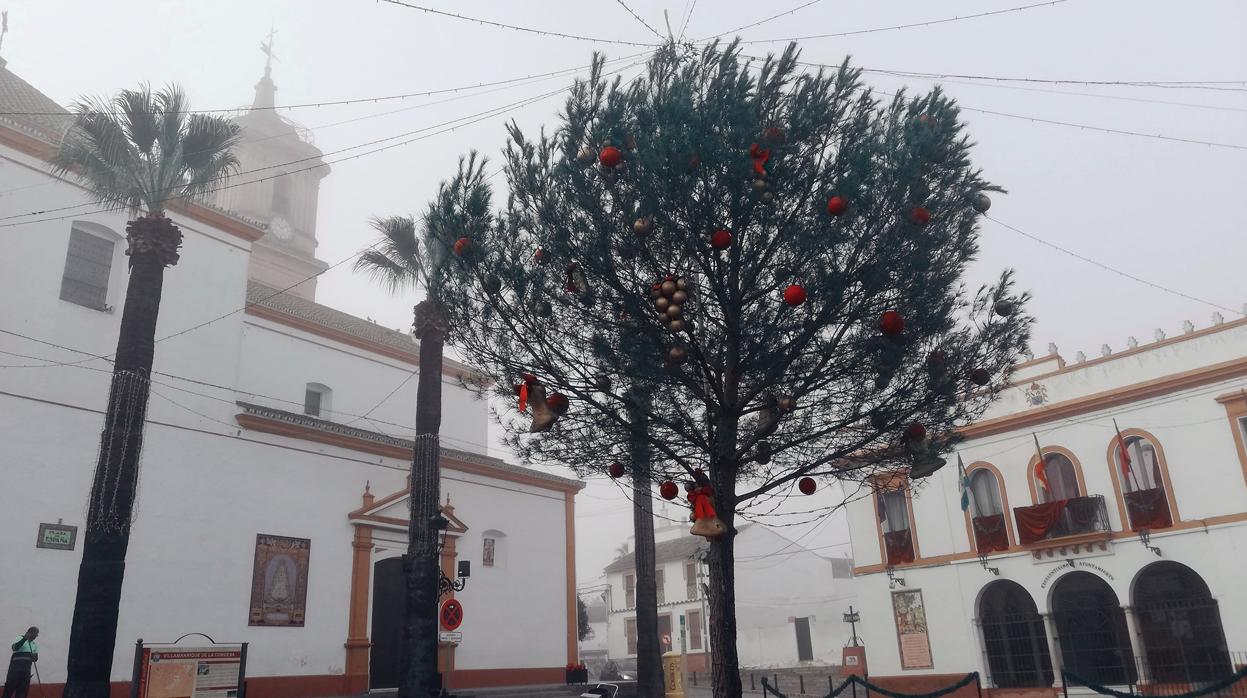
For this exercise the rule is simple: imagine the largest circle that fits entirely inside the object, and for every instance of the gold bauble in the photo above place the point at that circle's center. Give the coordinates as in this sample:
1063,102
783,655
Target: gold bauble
679,297
677,355
681,283
674,311
668,288
662,304
585,156
643,225
760,185
676,325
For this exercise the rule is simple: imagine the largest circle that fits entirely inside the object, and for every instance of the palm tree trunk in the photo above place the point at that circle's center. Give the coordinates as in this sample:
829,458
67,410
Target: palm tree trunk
153,243
649,654
420,678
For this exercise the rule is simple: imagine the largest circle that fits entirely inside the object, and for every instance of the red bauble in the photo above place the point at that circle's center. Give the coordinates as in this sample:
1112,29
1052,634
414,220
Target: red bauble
558,402
539,255
610,156
807,485
980,376
794,295
616,470
668,490
891,323
721,240
837,205
915,432
462,245
920,216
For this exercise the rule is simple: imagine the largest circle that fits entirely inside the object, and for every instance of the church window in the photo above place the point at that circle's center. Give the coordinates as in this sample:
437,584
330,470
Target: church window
316,400
88,263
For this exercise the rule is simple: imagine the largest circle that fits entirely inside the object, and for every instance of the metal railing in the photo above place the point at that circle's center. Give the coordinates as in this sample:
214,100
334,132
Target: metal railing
1078,516
1224,676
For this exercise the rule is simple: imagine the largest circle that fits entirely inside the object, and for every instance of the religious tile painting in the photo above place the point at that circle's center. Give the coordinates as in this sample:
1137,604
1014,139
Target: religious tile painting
279,581
911,629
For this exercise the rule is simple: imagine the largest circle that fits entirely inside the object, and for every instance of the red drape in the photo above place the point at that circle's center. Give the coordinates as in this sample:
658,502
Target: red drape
1148,509
1034,522
990,533
900,546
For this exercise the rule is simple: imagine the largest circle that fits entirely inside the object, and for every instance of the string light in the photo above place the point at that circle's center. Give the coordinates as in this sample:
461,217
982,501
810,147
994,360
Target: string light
529,30
638,18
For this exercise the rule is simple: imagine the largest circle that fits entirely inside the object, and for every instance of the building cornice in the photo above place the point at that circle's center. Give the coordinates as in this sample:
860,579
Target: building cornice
1107,399
297,426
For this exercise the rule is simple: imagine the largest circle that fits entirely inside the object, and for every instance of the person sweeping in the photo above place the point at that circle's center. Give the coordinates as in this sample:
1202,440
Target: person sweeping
25,654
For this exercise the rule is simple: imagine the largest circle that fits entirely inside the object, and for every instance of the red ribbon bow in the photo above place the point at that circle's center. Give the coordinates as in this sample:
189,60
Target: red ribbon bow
522,389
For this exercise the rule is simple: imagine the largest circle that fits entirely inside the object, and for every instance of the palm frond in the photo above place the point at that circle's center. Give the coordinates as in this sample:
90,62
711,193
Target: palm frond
395,260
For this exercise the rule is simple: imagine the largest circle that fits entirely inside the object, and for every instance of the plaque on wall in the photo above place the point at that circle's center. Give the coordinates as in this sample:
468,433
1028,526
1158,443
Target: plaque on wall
279,581
57,536
911,629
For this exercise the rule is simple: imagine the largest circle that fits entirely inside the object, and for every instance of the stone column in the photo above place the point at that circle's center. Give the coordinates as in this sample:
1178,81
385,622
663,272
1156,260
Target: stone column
1054,649
1137,647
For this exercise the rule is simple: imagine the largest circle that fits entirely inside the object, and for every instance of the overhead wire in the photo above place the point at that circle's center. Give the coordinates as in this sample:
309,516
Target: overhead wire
911,25
638,18
760,22
513,27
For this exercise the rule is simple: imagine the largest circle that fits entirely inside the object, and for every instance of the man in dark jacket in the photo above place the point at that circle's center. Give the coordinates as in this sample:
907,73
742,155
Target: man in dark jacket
25,654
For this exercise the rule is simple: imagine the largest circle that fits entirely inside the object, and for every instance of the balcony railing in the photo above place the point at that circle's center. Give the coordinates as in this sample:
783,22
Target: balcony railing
1061,518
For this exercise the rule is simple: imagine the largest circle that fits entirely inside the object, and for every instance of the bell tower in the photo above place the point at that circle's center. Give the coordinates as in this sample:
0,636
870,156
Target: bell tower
279,189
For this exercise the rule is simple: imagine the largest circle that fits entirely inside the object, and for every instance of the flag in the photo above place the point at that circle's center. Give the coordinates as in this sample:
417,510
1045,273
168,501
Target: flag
881,505
964,484
1041,468
1123,452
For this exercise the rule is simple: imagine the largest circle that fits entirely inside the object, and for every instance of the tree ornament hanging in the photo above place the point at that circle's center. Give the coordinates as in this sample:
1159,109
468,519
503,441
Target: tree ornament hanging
760,186
558,402
527,380
610,156
721,240
982,202
616,470
768,197
668,490
585,156
807,485
676,325
540,257
920,216
662,303
1003,307
794,295
980,376
837,205
785,403
677,355
493,285
643,226
669,287
760,156
891,323
706,522
915,433
576,280
462,245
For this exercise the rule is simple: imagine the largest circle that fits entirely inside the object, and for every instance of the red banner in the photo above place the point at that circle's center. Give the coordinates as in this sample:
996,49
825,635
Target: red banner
1034,522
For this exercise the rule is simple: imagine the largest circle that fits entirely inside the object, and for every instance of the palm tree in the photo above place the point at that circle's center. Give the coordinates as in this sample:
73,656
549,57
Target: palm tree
403,258
138,151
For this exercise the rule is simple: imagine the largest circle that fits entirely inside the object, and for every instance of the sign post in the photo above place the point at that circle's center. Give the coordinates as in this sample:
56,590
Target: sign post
683,650
171,670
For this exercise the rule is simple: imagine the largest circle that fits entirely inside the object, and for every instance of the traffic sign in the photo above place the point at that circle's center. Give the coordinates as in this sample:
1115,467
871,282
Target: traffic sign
453,638
666,639
451,614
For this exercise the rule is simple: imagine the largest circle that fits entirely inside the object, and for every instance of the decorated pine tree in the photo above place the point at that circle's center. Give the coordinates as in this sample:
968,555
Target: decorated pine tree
760,267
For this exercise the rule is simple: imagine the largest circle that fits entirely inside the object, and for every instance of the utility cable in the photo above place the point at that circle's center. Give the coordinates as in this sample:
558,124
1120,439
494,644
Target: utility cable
529,30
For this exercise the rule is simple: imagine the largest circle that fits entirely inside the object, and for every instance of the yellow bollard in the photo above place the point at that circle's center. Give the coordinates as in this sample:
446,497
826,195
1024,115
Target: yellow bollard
673,671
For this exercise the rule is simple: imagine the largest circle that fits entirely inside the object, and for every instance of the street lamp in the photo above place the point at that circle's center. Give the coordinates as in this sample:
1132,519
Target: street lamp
853,618
445,584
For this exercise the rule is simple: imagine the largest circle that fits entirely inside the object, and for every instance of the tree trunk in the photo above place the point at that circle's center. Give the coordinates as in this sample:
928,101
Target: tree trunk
649,653
153,243
422,563
725,668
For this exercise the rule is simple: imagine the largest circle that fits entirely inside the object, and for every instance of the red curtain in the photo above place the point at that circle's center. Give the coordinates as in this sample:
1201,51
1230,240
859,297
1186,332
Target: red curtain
1034,522
990,533
1148,509
900,546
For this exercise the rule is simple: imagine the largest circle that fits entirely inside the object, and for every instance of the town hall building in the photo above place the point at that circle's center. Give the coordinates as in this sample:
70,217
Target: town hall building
272,501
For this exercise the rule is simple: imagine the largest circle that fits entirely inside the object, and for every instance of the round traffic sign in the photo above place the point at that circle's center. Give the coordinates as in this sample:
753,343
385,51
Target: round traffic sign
451,614
666,639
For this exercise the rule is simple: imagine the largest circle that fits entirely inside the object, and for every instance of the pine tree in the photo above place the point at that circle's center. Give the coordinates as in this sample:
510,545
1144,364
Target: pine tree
759,265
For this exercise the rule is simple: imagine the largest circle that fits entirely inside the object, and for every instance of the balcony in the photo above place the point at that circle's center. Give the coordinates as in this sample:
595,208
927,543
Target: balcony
1066,522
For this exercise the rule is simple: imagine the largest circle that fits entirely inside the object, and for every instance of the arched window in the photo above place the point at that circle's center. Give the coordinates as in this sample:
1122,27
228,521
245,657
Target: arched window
1056,478
1091,630
1014,637
1180,624
317,400
987,515
493,549
1140,476
892,507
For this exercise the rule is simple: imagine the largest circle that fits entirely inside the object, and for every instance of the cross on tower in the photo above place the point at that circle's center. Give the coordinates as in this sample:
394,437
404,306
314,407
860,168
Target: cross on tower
267,48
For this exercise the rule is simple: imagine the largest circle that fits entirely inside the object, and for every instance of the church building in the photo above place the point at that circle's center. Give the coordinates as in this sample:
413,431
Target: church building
272,502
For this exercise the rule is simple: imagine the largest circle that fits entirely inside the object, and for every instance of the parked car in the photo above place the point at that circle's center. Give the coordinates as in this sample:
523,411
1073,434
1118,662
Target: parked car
619,670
